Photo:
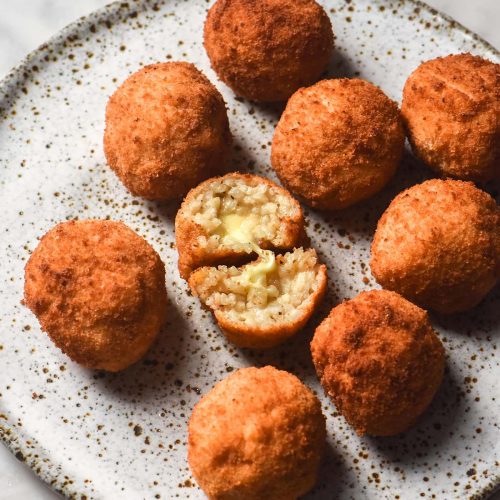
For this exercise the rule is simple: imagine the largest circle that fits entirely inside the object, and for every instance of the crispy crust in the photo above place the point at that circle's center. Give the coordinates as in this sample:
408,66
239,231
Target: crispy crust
261,336
257,434
166,131
192,255
337,143
98,290
379,360
266,50
451,108
438,244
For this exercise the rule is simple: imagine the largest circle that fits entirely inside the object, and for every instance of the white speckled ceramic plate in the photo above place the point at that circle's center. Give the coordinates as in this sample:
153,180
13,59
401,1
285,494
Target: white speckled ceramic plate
96,435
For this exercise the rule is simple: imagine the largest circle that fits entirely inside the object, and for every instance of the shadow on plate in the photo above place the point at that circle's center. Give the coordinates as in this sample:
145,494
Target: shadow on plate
363,217
478,322
271,111
441,422
334,476
242,158
340,66
155,376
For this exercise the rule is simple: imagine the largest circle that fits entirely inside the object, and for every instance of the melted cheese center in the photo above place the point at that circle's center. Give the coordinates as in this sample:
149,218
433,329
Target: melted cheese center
239,228
254,277
256,274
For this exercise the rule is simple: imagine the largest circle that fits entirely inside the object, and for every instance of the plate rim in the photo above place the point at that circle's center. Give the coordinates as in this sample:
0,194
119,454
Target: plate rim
46,470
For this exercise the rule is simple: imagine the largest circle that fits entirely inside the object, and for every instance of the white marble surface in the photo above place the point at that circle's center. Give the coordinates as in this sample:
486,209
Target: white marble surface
25,24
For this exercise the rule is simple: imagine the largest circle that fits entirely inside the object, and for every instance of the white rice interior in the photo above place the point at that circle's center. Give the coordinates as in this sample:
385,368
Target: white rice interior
231,196
290,285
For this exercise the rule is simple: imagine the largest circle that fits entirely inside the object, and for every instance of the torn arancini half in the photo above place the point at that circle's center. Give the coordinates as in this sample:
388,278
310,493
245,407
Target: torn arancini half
261,304
225,219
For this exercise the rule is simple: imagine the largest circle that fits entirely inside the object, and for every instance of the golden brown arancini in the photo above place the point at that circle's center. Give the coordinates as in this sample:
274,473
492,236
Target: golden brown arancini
438,245
166,131
451,108
263,303
379,360
258,434
266,49
98,290
227,218
337,143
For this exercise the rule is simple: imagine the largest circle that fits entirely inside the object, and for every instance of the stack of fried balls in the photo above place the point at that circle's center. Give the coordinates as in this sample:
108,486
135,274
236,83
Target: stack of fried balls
98,288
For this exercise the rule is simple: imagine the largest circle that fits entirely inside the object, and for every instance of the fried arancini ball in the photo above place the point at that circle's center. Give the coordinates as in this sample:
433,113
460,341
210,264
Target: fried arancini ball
266,49
337,143
261,304
379,360
98,290
257,434
166,131
438,245
451,108
226,218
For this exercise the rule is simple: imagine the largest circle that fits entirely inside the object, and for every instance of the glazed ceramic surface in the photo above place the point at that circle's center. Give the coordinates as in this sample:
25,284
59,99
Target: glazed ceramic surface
97,435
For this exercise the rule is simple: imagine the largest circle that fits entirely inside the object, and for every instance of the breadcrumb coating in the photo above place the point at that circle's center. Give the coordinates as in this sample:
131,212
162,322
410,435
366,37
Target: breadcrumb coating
98,290
337,143
265,50
438,245
451,108
379,360
166,131
257,434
